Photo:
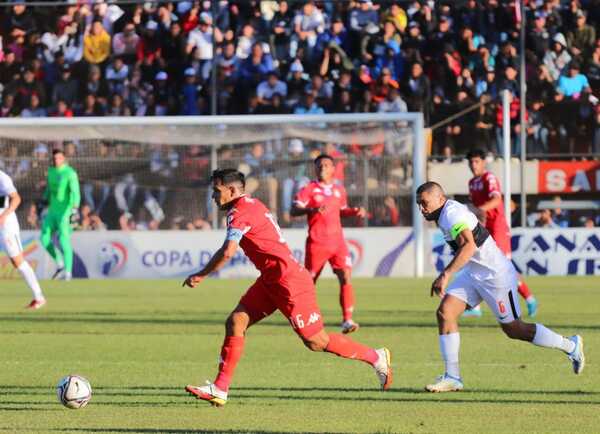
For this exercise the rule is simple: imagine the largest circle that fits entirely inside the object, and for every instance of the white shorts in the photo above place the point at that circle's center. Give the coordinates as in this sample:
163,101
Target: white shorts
10,238
500,294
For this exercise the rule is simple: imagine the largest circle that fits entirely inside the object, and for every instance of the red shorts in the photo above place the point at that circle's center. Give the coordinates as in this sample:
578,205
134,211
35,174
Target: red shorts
294,296
318,254
501,235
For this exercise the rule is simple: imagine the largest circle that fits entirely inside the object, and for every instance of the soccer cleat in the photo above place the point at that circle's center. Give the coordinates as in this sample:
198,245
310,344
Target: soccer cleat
445,383
349,326
36,304
210,393
57,273
67,276
576,356
474,312
383,368
532,307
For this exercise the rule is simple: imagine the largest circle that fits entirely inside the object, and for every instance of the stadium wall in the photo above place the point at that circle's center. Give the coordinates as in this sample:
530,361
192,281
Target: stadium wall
375,252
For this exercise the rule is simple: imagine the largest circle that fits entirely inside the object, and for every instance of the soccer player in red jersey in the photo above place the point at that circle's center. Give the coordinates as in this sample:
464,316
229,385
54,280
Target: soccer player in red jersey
324,202
284,284
485,193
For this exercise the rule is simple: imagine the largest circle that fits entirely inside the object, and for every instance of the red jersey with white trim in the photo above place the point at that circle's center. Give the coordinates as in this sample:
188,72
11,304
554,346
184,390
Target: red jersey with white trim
324,227
482,189
262,240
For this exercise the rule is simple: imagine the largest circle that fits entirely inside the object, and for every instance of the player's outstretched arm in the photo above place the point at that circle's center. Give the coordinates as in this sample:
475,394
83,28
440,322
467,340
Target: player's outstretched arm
297,210
494,202
219,259
466,249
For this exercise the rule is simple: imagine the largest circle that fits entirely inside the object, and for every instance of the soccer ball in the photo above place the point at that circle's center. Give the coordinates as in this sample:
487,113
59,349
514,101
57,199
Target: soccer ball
74,391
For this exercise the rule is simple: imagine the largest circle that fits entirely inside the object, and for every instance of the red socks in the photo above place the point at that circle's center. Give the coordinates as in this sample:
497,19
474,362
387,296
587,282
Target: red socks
231,351
347,301
524,290
347,348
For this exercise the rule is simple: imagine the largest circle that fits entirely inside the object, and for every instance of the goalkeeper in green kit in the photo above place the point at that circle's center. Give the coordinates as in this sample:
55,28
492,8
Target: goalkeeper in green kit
62,194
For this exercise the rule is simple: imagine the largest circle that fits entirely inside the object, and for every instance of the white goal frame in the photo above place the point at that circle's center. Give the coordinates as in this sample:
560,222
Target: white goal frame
17,128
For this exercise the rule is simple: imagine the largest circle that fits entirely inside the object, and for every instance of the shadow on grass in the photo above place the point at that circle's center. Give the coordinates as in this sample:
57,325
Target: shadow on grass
220,321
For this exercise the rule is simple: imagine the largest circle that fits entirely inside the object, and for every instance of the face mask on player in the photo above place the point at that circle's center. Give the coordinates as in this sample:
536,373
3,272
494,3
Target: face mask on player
433,215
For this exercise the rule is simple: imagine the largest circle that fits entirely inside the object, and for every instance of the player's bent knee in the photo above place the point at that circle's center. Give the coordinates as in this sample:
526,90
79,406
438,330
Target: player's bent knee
514,330
317,342
236,323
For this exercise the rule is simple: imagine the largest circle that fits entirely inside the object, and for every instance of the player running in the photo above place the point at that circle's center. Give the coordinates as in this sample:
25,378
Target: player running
11,239
485,193
484,274
283,284
324,202
62,194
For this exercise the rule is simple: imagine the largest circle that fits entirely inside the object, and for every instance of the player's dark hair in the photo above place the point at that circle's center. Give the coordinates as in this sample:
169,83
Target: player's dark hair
229,176
428,187
58,151
474,153
320,157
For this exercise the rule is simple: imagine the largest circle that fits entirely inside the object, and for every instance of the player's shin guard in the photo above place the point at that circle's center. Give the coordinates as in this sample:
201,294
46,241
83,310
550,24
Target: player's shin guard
342,346
347,301
231,352
524,290
31,280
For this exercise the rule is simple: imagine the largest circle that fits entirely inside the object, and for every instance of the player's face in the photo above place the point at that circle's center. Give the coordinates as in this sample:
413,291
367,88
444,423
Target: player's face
430,204
477,166
58,159
325,169
223,195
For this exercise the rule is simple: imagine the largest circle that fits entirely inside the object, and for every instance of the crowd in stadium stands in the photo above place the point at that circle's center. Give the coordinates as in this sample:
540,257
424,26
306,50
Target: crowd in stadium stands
98,58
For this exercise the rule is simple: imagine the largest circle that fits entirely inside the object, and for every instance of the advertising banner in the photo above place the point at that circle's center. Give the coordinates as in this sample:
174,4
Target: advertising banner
568,176
558,252
176,254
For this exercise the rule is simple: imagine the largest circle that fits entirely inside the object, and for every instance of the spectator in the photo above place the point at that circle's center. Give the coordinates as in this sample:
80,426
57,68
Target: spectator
258,170
96,43
573,85
200,44
545,220
296,176
34,110
582,39
557,59
148,48
96,85
198,224
539,130
393,103
116,75
560,216
67,88
308,24
125,43
269,87
308,105
281,32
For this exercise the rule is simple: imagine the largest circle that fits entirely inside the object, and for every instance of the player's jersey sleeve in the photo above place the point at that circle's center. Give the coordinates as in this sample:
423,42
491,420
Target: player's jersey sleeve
456,218
303,197
75,194
491,185
7,187
471,191
237,226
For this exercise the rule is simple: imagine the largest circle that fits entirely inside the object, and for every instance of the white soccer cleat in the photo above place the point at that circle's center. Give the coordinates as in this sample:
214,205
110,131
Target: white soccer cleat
209,393
445,383
383,368
349,326
576,356
67,276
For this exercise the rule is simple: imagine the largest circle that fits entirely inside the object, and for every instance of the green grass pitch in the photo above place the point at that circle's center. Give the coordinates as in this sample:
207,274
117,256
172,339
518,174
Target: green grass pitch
140,342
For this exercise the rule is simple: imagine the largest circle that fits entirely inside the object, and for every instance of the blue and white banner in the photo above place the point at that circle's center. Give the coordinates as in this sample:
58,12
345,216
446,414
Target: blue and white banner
376,252
544,252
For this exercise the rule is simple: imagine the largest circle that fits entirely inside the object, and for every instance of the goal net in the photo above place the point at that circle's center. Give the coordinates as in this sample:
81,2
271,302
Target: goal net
153,173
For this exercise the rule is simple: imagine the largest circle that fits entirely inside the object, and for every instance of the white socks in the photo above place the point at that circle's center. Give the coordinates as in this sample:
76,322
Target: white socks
544,337
29,276
449,346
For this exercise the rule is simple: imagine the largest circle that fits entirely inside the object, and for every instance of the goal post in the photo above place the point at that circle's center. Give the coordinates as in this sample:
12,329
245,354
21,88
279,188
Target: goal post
164,163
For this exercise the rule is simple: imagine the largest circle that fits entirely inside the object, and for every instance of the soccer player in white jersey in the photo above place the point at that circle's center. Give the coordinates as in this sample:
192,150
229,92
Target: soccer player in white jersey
482,273
11,240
